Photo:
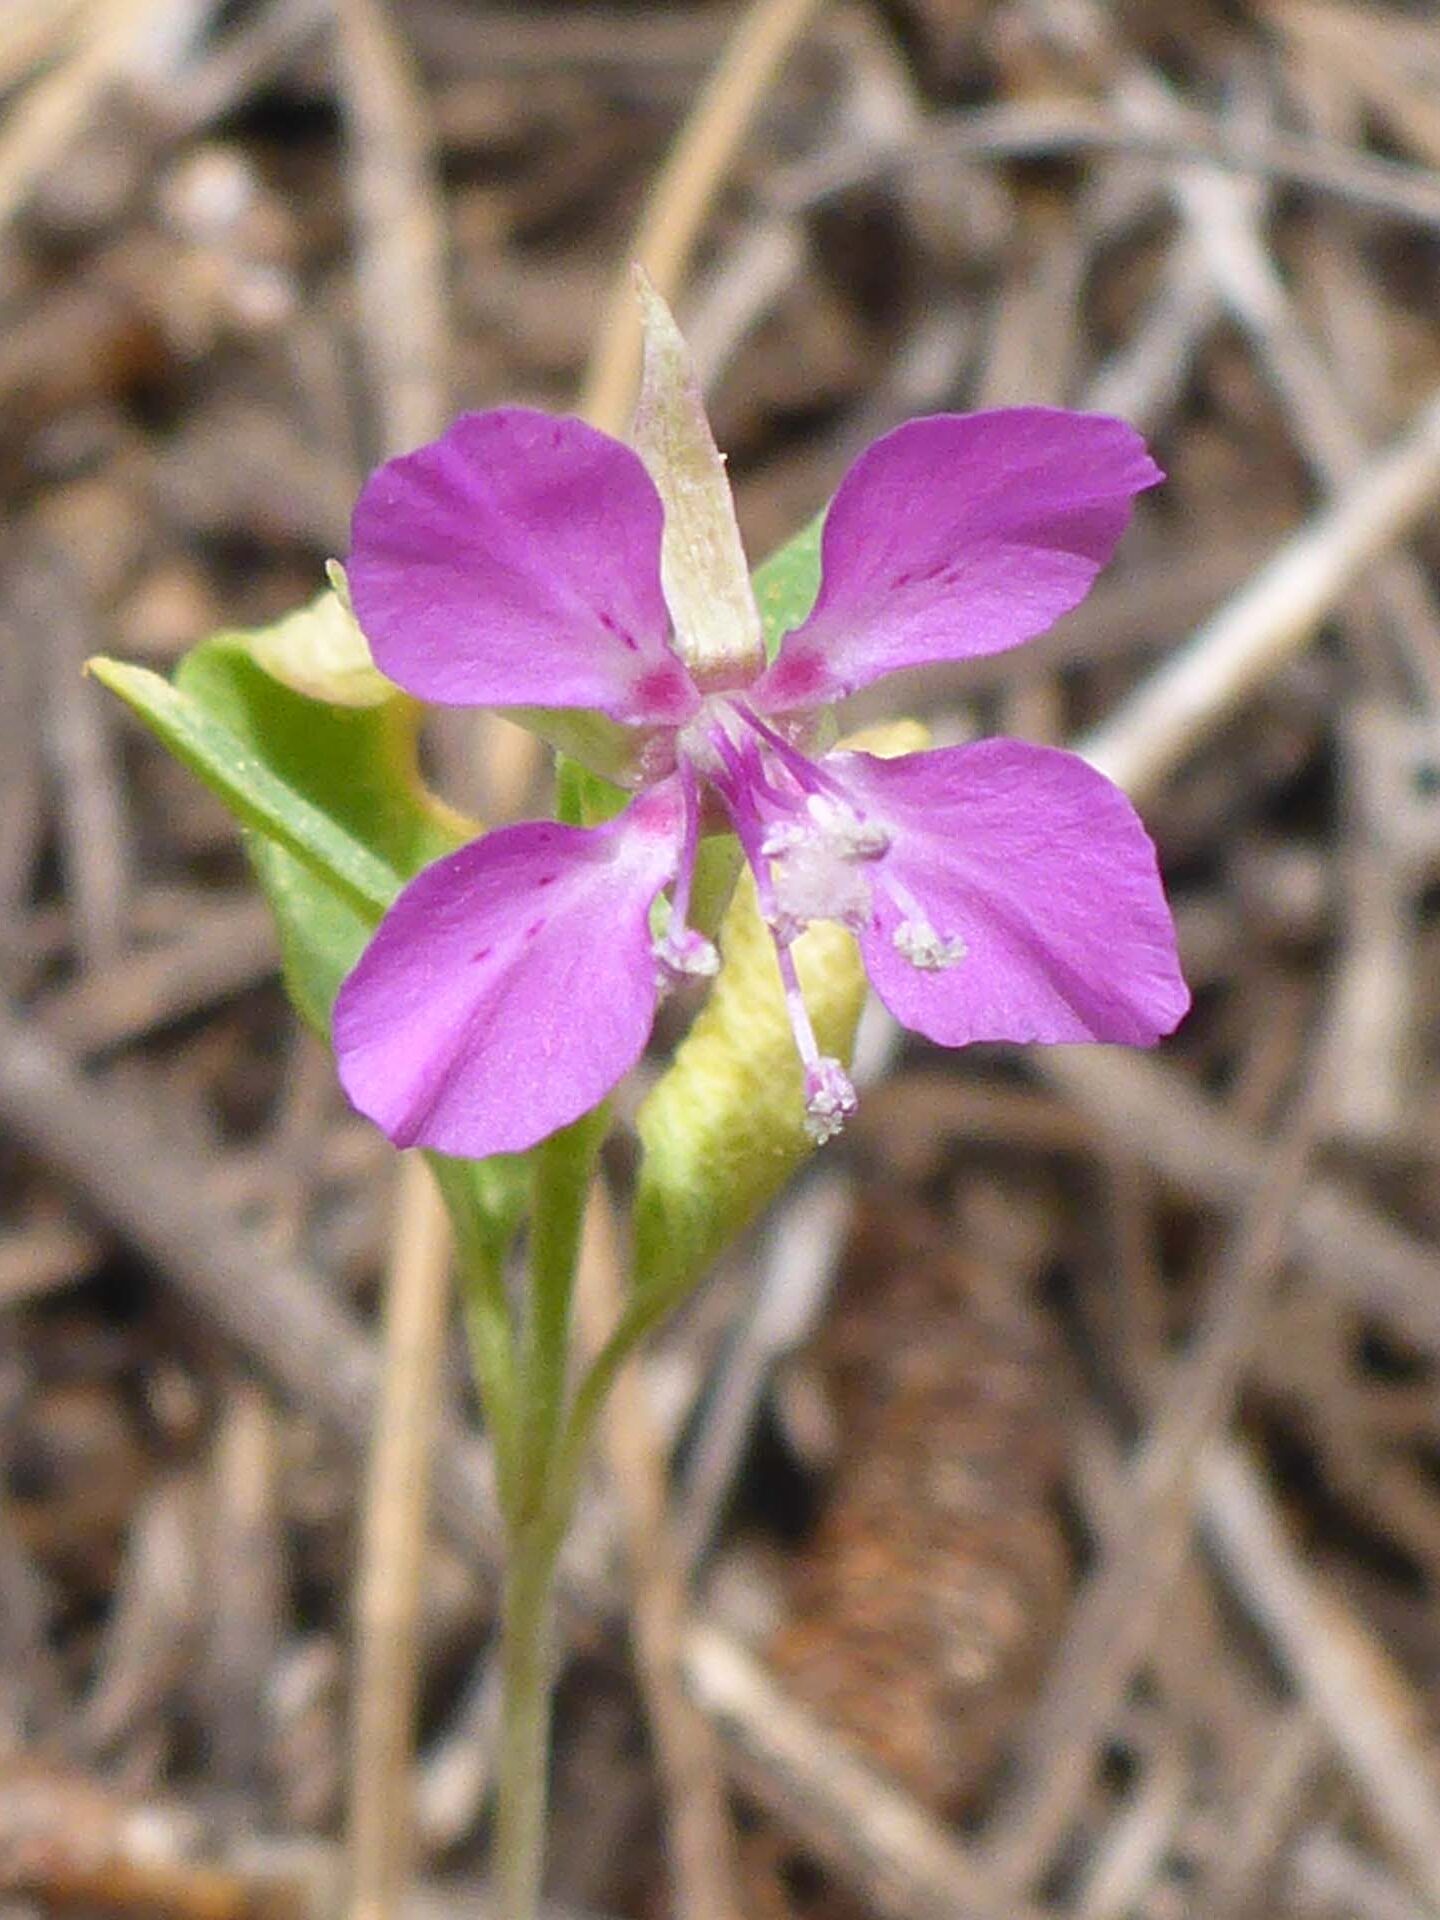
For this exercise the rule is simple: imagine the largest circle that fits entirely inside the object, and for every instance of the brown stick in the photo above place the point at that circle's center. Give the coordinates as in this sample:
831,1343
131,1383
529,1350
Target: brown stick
399,270
1271,617
387,1599
1342,1673
682,194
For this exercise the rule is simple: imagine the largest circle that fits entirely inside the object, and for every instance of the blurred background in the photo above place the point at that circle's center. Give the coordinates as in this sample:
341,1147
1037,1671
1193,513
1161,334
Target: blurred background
1044,1504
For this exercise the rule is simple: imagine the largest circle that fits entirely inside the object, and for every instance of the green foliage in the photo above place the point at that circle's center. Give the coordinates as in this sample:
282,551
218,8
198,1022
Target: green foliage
786,584
583,798
357,763
314,752
255,793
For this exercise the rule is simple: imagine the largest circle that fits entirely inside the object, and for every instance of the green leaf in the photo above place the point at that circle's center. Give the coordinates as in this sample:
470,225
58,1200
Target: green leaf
355,761
315,753
786,584
253,791
584,798
357,764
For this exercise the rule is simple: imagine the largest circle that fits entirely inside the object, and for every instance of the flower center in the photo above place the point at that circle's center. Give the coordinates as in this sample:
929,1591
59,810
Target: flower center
808,844
809,848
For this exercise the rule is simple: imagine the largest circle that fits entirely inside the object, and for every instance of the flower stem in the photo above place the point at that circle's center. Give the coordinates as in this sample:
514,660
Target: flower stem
537,1511
526,1628
562,1179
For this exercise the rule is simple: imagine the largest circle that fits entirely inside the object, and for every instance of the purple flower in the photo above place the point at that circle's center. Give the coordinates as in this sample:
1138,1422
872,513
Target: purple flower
998,892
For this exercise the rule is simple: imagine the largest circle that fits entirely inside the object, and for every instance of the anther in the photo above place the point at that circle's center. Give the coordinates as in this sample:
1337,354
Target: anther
683,954
923,947
829,1099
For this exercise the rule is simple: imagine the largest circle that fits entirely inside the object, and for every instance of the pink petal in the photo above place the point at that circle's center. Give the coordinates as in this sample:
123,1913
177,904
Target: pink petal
1040,870
511,984
959,535
515,561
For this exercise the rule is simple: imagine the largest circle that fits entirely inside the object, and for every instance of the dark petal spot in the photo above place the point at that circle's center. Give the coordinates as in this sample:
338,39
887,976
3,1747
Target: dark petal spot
613,626
547,879
797,674
662,688
535,927
483,953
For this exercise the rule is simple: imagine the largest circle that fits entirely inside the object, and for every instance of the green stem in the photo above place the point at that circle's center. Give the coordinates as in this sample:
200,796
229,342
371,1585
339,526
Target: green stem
529,1601
642,1315
562,1180
537,1519
486,1315
482,1237
526,1627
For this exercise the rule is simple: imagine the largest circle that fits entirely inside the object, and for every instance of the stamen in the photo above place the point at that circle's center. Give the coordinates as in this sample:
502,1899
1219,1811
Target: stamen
923,947
829,1096
829,1100
681,952
804,771
916,936
819,860
689,847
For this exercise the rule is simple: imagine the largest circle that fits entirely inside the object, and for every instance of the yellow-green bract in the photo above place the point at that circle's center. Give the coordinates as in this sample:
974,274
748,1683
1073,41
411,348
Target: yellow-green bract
724,1128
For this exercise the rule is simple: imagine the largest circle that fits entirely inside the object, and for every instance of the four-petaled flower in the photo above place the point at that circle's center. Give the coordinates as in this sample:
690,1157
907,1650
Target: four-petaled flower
998,891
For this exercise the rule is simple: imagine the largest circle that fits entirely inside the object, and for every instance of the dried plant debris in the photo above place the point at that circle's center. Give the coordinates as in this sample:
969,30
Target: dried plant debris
921,1608
996,1671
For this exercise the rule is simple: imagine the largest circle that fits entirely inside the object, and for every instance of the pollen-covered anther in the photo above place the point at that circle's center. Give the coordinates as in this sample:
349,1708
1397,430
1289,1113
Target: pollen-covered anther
848,831
683,954
829,1099
818,866
923,947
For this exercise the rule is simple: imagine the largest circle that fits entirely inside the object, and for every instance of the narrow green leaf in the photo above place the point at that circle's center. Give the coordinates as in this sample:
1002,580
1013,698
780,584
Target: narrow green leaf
252,791
356,762
315,753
